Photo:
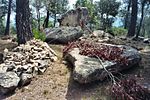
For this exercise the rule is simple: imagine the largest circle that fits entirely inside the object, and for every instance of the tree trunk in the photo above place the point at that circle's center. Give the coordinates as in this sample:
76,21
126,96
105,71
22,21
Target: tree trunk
54,19
46,21
8,19
38,18
107,22
141,20
23,25
101,21
143,30
127,15
132,27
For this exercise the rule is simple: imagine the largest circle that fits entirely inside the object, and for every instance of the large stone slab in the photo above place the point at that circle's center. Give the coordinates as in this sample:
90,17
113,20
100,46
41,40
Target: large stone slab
63,34
74,17
88,69
8,82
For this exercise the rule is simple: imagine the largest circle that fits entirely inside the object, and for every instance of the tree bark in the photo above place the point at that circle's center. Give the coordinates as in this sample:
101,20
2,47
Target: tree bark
55,19
141,20
38,18
46,21
8,19
132,27
143,31
101,21
127,15
23,24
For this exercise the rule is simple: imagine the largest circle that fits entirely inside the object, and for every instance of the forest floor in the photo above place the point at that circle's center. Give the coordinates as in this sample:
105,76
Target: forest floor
57,83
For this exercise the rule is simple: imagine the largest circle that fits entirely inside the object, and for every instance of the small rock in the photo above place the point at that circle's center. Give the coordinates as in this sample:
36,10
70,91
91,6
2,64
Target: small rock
43,64
35,64
8,82
3,68
30,70
5,50
64,62
54,59
101,34
25,79
35,71
38,49
25,67
41,70
17,63
27,47
146,41
19,68
10,67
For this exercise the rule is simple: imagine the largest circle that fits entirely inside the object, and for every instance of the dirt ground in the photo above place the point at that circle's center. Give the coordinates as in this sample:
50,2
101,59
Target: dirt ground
57,83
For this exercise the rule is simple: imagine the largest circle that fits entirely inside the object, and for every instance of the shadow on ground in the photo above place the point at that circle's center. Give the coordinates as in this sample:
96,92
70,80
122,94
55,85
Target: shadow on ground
93,91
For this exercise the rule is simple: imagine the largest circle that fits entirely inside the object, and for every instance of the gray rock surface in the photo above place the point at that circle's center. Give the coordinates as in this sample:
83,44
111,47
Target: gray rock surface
25,79
74,17
3,68
8,82
100,34
87,69
63,34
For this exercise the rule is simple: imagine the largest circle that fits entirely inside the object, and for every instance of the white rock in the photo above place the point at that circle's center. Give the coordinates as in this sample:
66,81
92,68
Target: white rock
54,59
8,82
6,50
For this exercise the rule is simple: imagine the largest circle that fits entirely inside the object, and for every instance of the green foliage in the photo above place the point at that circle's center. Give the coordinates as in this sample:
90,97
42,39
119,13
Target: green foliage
50,24
13,30
117,31
3,8
107,10
39,35
34,23
37,4
108,7
56,6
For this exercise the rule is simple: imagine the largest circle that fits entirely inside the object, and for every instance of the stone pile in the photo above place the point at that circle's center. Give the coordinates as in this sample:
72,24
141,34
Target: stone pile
23,63
98,36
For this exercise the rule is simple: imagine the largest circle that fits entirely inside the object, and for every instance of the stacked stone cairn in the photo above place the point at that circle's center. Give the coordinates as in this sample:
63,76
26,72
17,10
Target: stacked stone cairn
24,62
